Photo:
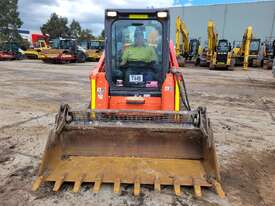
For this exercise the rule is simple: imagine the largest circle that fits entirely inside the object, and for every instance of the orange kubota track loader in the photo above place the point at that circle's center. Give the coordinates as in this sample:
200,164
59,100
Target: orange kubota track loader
139,128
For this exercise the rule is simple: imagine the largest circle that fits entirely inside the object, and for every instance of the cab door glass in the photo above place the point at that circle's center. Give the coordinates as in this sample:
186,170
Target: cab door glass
136,53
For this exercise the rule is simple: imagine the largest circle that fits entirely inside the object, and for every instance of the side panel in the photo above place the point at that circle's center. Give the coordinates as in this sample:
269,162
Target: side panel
168,93
102,88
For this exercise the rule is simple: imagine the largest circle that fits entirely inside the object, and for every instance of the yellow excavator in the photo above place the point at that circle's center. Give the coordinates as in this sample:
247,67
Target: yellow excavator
187,51
139,128
182,35
219,51
241,54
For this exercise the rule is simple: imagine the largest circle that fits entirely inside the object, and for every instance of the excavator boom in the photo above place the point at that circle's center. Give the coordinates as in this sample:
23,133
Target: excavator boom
182,35
246,45
212,39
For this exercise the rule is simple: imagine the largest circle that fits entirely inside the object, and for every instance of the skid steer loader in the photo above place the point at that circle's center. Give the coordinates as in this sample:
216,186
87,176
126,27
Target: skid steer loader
139,128
219,50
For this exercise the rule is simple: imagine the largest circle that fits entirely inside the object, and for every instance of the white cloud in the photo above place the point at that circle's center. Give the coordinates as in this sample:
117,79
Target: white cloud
189,3
90,13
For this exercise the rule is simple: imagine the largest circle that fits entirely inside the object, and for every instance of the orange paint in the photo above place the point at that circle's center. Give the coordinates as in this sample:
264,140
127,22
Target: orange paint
103,101
168,93
99,66
102,90
151,103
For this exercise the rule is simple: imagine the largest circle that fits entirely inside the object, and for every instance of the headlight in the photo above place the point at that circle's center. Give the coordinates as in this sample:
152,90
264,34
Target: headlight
111,13
162,14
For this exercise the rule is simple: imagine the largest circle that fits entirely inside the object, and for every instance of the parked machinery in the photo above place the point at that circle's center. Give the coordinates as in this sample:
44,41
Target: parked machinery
10,51
140,128
186,51
94,49
35,51
273,65
241,52
256,54
269,53
273,68
202,57
63,50
219,51
182,35
194,51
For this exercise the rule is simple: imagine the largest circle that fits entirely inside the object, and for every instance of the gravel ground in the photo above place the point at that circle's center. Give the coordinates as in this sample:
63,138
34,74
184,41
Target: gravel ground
241,105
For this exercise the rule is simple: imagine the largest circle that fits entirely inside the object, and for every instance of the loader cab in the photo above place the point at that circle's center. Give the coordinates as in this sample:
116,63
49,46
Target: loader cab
269,47
223,48
61,43
194,47
255,46
137,46
12,48
96,44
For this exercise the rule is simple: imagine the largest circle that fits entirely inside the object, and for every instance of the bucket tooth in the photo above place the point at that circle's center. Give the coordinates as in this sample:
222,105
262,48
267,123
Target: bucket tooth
78,183
177,188
157,186
218,188
117,186
36,184
197,189
97,184
137,187
58,183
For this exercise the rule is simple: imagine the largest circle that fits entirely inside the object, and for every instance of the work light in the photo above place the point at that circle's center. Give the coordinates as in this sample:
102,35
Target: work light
111,13
162,14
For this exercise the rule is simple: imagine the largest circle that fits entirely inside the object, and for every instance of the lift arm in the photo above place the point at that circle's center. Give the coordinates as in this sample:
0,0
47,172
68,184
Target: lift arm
246,45
212,40
181,30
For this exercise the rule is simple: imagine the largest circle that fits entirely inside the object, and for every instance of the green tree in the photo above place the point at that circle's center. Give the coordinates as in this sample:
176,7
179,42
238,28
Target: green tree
86,34
102,35
56,27
75,29
9,21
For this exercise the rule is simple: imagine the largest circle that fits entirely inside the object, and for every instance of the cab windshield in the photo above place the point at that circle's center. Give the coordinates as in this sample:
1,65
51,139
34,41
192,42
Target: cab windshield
194,45
95,45
254,45
9,47
223,46
83,44
136,53
62,44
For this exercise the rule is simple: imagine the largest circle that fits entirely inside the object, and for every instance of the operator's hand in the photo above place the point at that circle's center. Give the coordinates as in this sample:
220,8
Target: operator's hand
123,63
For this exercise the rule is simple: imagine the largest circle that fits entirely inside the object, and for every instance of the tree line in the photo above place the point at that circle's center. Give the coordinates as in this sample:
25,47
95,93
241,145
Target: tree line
56,26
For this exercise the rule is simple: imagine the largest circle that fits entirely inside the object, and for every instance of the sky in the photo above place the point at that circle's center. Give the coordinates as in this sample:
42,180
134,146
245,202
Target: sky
90,13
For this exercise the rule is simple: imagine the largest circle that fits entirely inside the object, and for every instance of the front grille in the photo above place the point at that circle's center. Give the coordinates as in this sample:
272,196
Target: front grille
134,116
222,58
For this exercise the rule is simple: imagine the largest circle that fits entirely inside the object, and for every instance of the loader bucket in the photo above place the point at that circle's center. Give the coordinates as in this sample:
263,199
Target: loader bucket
131,147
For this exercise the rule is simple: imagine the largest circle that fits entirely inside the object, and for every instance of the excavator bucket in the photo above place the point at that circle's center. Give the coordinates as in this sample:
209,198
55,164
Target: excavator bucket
131,147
